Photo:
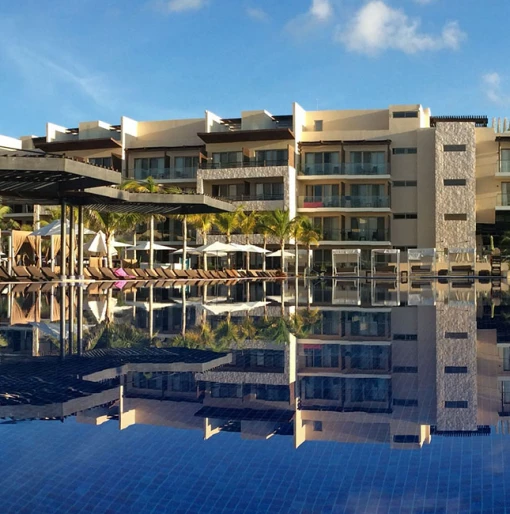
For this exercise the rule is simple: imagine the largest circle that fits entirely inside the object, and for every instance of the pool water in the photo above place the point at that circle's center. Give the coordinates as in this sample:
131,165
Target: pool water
295,397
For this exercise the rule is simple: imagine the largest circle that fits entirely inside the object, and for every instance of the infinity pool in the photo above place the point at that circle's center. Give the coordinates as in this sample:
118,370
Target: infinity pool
317,397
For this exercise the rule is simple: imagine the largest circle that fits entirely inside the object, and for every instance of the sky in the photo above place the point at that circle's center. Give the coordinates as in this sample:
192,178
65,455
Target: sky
66,62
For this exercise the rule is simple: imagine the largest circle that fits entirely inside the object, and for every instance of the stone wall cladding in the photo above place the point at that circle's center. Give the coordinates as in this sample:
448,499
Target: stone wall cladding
286,172
243,377
455,199
255,239
456,352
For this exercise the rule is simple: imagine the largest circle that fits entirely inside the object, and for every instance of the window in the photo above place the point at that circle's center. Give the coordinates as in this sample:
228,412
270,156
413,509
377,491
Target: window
227,160
454,148
457,216
406,439
405,337
405,151
328,356
106,162
269,191
272,157
405,403
405,114
185,165
149,167
322,163
456,405
405,369
317,426
317,125
455,369
455,335
405,248
454,181
405,183
229,190
405,216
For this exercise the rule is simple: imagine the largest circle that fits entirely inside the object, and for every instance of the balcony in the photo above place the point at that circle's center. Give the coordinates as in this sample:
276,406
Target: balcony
503,168
166,173
242,164
503,202
257,202
356,236
355,169
344,202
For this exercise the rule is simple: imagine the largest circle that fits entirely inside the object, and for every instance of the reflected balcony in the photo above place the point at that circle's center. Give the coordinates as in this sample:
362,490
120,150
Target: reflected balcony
356,235
344,202
251,163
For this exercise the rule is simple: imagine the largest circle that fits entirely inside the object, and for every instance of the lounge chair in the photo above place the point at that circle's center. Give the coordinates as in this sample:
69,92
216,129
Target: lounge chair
95,273
161,273
22,273
141,273
36,273
109,274
181,274
19,288
169,273
33,288
151,273
50,275
5,277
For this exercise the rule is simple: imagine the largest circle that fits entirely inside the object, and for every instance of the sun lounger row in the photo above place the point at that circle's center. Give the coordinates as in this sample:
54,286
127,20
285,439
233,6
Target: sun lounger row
35,274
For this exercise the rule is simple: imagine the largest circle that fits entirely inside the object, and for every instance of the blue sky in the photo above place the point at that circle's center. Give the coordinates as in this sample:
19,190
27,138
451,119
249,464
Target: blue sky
67,62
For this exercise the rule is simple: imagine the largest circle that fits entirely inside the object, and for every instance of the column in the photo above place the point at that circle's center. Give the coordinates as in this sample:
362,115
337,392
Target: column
72,235
79,322
63,237
62,321
80,242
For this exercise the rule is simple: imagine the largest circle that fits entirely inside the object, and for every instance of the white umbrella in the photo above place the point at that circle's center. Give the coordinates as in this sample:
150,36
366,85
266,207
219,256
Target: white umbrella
221,308
278,253
191,251
146,245
98,244
119,244
53,229
256,249
217,247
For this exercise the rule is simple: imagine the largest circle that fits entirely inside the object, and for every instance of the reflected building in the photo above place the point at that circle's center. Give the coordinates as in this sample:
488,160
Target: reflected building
396,364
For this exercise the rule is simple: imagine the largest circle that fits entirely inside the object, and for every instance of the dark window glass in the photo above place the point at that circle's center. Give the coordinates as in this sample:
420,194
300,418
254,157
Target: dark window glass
404,151
406,439
405,369
454,148
456,405
405,114
455,217
454,181
455,369
405,403
405,337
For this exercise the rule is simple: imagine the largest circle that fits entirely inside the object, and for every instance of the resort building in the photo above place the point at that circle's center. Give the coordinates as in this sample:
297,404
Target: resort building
382,178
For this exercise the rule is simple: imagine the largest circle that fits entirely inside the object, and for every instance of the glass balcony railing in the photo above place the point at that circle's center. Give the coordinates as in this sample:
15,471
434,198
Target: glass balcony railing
356,235
347,202
251,198
346,169
504,166
165,173
504,200
253,163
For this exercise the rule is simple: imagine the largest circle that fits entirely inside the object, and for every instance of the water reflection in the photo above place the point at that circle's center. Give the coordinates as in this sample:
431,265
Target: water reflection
347,361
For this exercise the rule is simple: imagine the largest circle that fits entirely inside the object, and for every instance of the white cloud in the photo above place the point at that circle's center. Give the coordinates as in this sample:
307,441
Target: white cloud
51,75
183,5
424,2
321,10
376,27
257,14
492,83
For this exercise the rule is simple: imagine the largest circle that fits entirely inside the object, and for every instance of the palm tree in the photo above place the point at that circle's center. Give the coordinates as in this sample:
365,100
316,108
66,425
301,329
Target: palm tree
247,225
280,225
308,235
263,230
111,223
147,186
4,209
226,223
203,223
295,231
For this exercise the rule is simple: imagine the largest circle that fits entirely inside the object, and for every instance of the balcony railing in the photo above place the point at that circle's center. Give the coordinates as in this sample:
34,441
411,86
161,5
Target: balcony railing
348,202
346,169
355,235
504,200
251,198
165,173
242,164
504,166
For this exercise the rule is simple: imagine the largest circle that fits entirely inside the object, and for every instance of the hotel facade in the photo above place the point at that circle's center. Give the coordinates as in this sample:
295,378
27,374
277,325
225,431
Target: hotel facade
385,178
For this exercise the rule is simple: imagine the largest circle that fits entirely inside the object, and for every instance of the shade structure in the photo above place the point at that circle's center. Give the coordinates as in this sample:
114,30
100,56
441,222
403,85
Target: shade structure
146,245
191,251
53,229
278,253
217,247
119,244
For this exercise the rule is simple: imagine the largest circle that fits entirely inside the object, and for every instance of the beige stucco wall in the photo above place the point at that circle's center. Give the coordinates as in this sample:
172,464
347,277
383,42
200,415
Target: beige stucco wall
488,185
426,195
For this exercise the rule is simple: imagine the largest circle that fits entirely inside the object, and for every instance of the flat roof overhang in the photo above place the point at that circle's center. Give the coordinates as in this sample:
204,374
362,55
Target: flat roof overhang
165,148
354,142
50,178
78,144
115,200
241,136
